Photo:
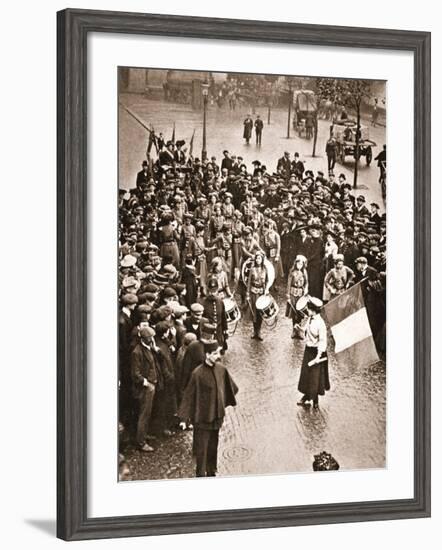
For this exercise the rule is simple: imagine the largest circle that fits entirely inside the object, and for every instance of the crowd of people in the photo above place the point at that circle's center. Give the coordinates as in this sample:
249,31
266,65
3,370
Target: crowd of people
186,229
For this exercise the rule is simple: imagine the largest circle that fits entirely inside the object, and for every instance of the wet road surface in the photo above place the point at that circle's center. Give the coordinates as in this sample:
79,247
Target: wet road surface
267,432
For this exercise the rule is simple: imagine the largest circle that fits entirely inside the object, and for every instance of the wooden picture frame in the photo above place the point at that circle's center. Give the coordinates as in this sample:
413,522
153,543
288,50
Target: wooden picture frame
73,29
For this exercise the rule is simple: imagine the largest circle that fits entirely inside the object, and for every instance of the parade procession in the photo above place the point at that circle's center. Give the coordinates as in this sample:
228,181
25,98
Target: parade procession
252,284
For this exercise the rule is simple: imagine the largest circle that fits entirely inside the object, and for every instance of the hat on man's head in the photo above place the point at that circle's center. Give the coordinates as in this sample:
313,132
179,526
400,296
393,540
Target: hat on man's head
178,309
189,337
128,261
196,308
169,292
208,331
129,299
146,333
361,260
144,308
210,347
130,282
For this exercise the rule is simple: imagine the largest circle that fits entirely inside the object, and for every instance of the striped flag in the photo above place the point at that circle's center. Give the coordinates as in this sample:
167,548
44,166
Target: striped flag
348,320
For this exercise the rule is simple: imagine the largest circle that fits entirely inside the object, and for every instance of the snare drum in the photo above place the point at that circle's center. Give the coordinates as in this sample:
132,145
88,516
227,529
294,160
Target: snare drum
268,308
301,305
233,315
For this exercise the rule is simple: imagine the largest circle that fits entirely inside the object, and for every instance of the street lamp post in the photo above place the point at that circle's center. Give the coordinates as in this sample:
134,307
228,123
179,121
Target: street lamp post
205,90
290,110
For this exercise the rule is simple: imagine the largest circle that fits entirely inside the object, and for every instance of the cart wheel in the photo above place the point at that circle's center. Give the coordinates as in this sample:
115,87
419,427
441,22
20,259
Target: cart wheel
369,156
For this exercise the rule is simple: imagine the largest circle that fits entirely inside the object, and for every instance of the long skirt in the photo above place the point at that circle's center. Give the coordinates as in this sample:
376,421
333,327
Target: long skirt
201,271
313,381
279,271
236,255
170,249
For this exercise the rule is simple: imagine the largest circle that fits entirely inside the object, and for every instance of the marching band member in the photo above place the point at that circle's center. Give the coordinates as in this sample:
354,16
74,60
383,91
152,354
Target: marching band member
217,271
297,286
338,279
257,285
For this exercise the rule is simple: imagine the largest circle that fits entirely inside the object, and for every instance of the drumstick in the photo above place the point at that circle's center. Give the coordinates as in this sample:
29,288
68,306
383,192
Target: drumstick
295,310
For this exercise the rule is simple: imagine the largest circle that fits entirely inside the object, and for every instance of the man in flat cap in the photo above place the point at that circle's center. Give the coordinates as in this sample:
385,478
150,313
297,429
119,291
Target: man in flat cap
210,390
125,326
145,376
193,323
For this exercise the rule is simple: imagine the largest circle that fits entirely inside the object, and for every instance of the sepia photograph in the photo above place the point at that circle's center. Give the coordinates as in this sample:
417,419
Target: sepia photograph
252,254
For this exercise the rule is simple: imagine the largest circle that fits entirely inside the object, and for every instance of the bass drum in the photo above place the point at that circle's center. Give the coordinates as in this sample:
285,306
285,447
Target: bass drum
248,264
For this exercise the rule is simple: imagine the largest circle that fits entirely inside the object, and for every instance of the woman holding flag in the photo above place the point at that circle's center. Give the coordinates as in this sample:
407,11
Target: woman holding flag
313,380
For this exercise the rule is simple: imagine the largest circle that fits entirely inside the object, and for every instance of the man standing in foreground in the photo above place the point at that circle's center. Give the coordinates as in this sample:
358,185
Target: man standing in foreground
145,377
210,390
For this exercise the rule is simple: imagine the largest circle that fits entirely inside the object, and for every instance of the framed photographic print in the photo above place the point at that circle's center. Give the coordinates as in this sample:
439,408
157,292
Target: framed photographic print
233,352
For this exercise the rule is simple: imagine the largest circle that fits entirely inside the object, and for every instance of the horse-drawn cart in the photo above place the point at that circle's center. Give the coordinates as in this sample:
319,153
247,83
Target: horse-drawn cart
345,136
305,107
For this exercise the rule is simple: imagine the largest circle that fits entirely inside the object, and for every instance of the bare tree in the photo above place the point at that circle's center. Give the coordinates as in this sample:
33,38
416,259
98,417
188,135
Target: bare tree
350,94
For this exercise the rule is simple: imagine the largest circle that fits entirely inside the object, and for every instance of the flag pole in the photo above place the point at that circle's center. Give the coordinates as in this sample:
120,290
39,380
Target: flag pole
133,115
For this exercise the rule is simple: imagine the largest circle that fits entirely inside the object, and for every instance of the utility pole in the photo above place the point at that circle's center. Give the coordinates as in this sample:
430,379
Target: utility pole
290,110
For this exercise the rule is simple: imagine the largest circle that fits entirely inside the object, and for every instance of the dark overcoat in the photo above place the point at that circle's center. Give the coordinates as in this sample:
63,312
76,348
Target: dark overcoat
248,125
209,392
193,357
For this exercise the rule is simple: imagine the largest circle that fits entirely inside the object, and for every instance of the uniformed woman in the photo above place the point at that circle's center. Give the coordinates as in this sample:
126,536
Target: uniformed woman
168,239
338,279
217,272
257,285
237,231
297,286
271,243
314,380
